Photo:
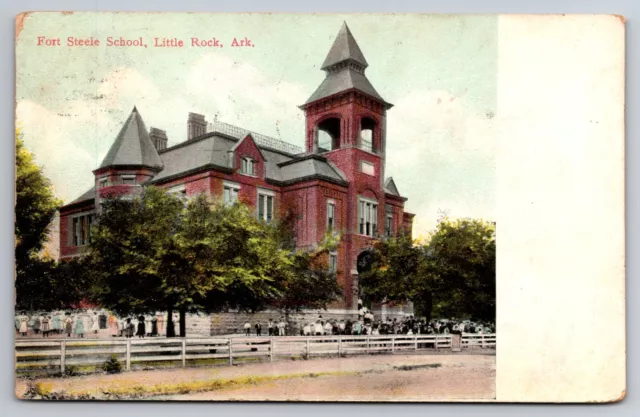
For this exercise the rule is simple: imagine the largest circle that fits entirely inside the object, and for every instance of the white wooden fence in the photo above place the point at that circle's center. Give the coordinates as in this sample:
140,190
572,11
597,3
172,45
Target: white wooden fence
32,354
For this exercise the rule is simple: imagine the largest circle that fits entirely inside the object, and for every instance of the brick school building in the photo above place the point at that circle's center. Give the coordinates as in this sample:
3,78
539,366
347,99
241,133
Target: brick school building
337,182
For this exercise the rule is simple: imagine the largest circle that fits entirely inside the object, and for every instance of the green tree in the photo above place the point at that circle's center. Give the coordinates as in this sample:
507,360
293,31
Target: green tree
460,263
158,253
35,206
452,275
312,285
124,262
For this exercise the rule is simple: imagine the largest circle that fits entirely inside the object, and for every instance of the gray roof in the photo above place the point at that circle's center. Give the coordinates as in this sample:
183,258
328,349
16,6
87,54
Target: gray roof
343,80
210,150
215,150
390,187
133,146
309,167
88,195
344,47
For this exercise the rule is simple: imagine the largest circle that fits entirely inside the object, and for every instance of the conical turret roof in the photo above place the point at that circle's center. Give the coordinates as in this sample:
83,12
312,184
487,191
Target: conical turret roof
132,146
344,48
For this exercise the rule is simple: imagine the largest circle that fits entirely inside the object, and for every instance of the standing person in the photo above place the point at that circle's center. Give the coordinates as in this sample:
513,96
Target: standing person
36,325
24,325
270,327
95,323
341,327
79,327
247,328
56,323
68,325
154,326
258,329
318,328
306,330
141,327
328,327
46,326
281,327
130,327
147,325
112,323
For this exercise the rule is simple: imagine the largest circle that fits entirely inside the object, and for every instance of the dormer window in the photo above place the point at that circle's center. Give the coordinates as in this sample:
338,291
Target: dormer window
128,179
248,166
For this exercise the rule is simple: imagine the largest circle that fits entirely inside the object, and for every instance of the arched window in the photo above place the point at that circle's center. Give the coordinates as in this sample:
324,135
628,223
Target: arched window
367,128
329,135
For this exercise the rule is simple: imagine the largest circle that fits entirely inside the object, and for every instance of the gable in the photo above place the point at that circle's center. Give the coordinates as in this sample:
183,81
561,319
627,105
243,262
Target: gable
248,149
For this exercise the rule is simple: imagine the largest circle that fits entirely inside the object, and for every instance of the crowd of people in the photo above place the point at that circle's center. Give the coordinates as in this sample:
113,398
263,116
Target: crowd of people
367,324
67,324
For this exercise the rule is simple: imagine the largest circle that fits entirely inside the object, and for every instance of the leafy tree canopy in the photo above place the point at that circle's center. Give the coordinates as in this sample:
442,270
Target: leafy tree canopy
35,206
451,275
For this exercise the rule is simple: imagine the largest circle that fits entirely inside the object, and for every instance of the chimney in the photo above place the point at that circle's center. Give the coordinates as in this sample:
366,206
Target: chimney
196,126
158,138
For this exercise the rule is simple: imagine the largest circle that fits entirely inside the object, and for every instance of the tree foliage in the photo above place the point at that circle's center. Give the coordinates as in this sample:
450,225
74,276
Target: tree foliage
35,206
452,275
157,252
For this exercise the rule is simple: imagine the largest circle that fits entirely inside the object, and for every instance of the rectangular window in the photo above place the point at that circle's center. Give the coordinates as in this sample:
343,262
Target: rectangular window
331,215
247,166
103,182
265,205
231,190
128,179
368,168
368,217
81,229
333,262
388,221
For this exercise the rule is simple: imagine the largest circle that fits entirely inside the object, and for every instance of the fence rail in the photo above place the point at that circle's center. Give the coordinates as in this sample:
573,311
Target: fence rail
31,355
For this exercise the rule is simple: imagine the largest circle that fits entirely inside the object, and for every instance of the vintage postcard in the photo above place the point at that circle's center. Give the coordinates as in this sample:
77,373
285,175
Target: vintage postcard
291,207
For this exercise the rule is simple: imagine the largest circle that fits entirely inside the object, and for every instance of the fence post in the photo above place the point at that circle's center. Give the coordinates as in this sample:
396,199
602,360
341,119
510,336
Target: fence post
184,353
308,348
436,343
271,349
339,346
63,352
128,357
415,340
230,351
393,343
368,347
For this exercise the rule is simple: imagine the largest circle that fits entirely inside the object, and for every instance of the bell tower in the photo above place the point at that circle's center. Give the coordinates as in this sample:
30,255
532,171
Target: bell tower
346,123
345,111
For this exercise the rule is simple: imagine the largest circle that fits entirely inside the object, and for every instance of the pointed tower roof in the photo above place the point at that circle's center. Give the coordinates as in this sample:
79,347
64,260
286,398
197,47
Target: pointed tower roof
344,48
133,146
345,65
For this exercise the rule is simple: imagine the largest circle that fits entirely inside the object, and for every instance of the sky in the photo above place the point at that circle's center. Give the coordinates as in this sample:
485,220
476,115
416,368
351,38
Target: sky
439,72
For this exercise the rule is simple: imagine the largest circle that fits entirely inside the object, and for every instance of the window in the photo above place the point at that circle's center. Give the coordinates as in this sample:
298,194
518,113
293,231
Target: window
179,191
331,215
265,205
128,179
248,166
103,182
388,221
368,168
333,262
368,217
230,194
81,230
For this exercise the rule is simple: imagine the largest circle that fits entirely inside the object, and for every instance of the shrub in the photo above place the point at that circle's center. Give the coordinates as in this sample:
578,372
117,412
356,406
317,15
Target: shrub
71,370
112,366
